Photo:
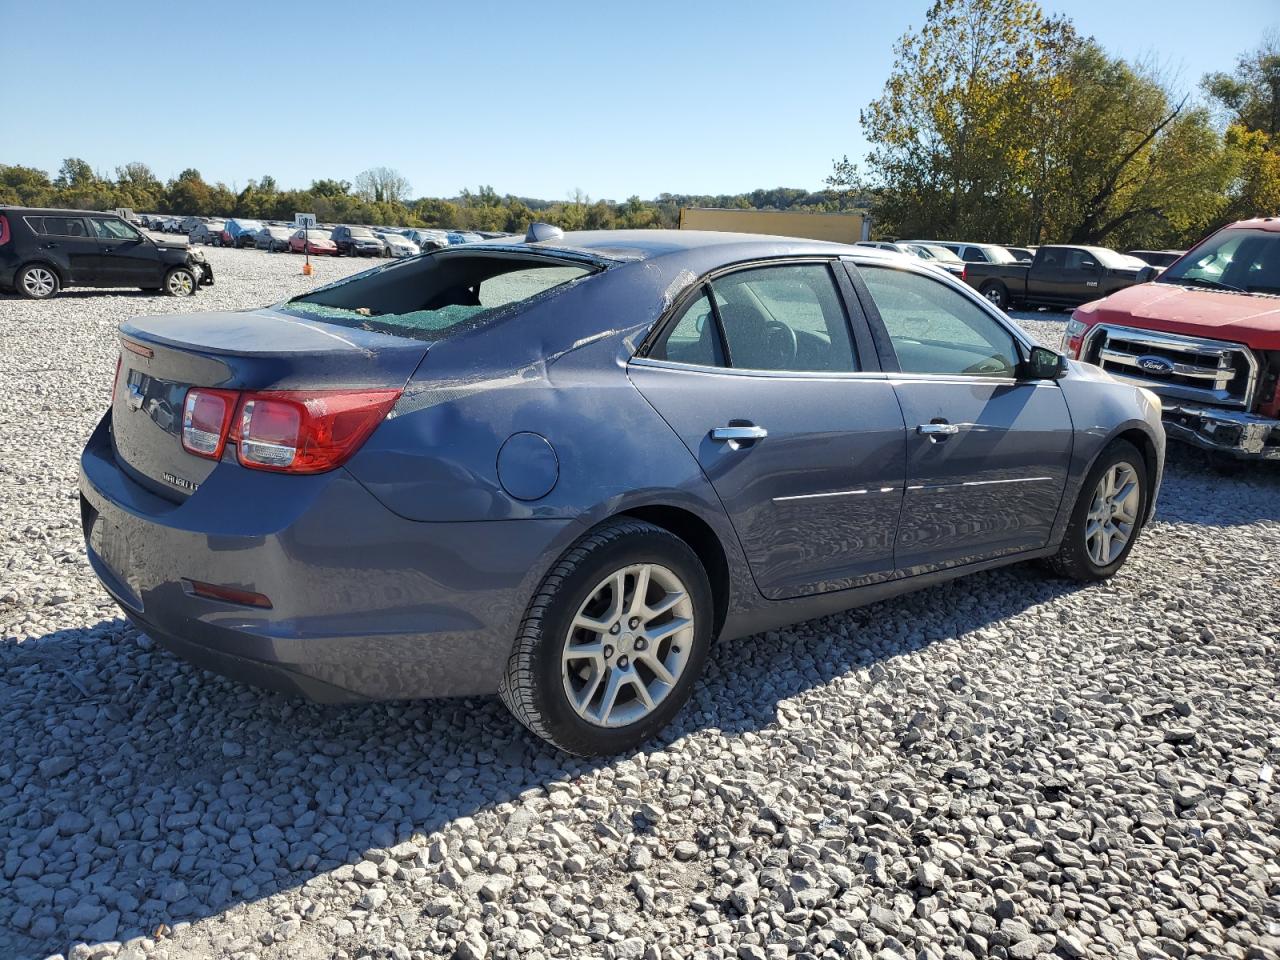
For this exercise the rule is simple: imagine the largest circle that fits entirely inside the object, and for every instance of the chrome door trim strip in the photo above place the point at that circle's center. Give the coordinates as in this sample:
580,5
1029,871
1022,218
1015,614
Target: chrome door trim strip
976,483
837,493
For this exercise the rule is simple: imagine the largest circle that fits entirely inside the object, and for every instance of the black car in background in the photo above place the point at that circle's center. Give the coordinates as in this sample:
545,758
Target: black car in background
357,242
44,251
1058,276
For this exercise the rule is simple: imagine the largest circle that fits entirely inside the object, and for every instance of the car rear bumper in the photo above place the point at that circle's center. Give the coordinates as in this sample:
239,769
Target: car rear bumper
365,605
1234,433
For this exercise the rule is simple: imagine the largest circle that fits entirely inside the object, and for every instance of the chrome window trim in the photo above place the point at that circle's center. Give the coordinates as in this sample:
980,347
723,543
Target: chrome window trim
749,372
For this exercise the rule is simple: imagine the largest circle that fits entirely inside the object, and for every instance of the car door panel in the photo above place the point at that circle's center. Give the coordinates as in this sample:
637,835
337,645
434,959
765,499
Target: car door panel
68,243
987,454
994,486
815,503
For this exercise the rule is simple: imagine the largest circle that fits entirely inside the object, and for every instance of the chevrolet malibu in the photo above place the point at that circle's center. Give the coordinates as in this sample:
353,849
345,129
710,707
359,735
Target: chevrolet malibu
558,470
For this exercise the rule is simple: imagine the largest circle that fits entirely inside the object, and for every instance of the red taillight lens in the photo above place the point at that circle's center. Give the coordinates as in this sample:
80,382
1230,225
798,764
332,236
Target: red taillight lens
206,414
4,229
964,272
307,432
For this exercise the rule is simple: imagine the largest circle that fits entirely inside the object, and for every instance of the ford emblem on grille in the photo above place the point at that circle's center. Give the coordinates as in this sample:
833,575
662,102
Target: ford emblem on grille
1157,366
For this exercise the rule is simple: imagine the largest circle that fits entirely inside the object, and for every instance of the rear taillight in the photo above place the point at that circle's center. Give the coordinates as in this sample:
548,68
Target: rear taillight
289,431
206,415
4,229
309,432
964,273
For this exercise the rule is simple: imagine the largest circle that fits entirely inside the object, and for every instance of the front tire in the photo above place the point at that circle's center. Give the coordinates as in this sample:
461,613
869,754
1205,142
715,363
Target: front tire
37,281
1107,516
612,641
180,282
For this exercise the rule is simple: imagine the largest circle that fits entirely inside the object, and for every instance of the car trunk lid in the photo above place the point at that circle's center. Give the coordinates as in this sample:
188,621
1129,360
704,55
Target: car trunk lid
161,358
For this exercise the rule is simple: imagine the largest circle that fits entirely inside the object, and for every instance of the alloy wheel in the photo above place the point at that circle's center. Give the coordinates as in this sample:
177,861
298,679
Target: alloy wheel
180,283
1113,513
628,645
39,282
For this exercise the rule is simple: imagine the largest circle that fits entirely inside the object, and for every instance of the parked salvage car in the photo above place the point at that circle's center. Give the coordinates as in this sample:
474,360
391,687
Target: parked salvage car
208,233
357,242
1205,336
391,487
312,241
43,251
427,239
272,238
398,245
1157,258
1058,276
240,233
937,256
974,252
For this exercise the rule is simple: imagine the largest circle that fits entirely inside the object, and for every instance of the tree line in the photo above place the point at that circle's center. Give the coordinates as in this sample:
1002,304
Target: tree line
1000,123
378,196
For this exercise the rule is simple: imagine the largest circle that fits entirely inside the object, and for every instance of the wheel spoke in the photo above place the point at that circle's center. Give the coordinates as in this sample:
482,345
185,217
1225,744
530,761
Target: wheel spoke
610,697
594,624
659,668
641,590
655,635
665,604
642,692
584,651
583,702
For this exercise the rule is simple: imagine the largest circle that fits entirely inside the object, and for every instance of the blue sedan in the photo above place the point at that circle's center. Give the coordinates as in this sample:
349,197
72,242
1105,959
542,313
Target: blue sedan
558,470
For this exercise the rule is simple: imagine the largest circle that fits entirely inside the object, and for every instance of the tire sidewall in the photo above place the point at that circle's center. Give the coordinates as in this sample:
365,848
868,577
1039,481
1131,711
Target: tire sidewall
997,288
1117,452
571,731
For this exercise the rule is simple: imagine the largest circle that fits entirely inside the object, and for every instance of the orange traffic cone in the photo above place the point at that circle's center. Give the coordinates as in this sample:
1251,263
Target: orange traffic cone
306,269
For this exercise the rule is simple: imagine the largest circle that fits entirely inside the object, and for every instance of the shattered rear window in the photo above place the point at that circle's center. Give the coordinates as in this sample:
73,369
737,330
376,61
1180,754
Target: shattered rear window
429,298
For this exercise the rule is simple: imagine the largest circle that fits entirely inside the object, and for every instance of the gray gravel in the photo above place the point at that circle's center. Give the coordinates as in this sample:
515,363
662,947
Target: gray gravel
1007,766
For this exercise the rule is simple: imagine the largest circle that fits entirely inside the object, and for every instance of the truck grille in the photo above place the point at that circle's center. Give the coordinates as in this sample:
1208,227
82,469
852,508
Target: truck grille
1183,368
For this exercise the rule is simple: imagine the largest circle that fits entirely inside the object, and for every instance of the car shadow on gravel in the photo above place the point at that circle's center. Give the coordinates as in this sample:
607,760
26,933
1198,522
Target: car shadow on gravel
1196,491
137,790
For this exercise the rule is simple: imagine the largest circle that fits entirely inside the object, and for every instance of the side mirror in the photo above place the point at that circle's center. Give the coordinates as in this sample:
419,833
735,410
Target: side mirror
1042,364
1148,273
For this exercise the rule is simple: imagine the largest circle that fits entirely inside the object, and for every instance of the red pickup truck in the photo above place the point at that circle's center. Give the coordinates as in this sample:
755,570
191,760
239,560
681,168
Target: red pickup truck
1204,336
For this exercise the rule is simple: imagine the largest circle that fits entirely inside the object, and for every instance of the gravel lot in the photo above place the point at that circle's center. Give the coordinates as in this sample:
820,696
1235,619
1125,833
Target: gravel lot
1007,766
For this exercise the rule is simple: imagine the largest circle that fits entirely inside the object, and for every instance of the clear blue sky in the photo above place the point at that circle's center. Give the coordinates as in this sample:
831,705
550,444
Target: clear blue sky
535,98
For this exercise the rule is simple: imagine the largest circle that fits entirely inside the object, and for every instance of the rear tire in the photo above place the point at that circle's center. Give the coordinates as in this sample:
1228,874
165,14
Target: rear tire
598,692
37,281
997,294
1105,521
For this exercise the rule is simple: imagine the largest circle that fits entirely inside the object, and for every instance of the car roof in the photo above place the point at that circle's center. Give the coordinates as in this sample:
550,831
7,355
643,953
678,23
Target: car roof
58,211
650,244
1271,224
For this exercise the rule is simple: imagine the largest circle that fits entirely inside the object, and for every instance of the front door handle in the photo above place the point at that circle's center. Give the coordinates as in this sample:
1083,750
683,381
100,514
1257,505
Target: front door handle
937,431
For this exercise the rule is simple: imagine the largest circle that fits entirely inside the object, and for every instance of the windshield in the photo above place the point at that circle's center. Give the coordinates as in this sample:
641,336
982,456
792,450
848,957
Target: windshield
318,235
429,298
940,253
1000,255
361,232
1243,259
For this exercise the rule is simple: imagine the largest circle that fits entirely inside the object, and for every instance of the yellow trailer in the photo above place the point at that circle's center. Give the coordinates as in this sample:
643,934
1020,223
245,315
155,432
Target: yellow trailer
839,227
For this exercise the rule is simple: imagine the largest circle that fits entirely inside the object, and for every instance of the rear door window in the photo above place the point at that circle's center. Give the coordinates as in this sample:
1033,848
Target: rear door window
65,227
